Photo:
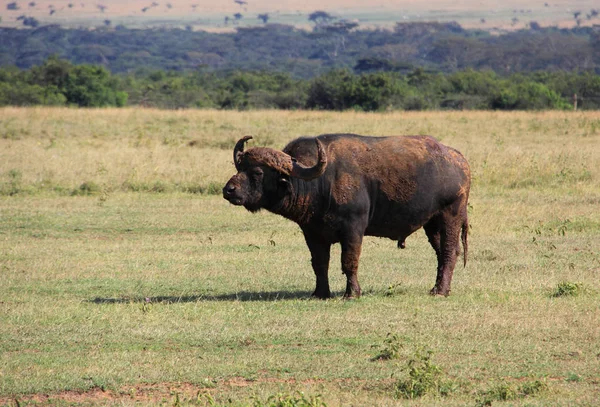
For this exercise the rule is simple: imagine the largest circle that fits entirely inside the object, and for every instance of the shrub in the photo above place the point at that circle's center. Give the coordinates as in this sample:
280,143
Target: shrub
424,377
390,349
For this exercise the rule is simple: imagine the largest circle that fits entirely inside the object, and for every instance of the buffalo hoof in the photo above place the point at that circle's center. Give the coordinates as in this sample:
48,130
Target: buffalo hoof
439,291
321,296
352,295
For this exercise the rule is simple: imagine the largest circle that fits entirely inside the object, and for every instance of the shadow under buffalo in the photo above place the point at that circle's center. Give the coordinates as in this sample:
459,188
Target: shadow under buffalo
240,296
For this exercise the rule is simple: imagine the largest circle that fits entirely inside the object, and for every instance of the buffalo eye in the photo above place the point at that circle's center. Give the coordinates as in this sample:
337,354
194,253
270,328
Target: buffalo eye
284,183
256,172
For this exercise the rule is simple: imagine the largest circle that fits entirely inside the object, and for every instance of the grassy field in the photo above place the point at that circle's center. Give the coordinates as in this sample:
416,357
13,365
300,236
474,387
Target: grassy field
126,279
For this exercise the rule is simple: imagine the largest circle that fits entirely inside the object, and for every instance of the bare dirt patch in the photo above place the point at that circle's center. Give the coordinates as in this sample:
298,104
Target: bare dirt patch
155,393
134,393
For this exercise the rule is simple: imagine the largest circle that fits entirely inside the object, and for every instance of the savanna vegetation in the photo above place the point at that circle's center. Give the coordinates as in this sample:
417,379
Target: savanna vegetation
60,83
126,279
336,66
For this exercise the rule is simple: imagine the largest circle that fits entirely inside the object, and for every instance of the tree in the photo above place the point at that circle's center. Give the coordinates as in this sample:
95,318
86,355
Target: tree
340,27
264,17
373,64
527,96
89,86
53,72
31,22
320,17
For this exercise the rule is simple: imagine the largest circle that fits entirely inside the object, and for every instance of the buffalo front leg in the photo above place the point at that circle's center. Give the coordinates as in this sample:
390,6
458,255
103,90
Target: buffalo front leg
351,249
319,252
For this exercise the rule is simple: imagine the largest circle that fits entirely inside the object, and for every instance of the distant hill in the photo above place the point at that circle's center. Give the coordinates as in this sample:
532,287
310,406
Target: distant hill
228,14
444,47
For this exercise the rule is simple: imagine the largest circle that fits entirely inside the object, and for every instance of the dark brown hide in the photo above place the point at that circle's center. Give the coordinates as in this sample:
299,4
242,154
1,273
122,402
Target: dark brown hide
376,186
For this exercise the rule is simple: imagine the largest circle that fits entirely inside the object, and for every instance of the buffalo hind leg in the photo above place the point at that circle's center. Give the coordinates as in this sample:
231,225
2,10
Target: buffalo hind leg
443,232
433,232
351,249
319,252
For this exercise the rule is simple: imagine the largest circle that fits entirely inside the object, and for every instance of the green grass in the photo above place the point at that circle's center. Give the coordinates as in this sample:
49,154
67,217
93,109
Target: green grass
115,296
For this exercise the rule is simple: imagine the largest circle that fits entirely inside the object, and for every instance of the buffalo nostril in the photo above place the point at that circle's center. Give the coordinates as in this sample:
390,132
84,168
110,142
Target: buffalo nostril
229,189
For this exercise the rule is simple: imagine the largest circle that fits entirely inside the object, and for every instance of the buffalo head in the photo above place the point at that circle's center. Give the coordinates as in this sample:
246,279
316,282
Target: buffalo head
263,176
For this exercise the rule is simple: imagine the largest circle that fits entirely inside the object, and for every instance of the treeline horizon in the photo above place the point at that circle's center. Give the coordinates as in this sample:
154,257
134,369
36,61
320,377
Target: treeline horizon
305,54
58,82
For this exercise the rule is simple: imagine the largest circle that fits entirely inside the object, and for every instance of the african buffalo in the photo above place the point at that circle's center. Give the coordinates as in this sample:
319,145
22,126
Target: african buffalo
341,187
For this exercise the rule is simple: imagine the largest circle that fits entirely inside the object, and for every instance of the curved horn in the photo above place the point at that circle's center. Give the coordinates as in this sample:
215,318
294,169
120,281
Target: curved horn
308,173
238,151
280,161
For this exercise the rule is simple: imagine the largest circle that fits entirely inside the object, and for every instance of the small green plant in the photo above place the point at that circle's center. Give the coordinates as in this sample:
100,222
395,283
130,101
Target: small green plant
573,378
13,186
146,306
567,289
424,377
390,348
394,289
506,392
563,227
86,189
500,392
204,398
532,388
177,401
286,400
159,187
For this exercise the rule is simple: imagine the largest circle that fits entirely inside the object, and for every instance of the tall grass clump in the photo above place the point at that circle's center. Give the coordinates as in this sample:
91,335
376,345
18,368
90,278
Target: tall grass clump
567,289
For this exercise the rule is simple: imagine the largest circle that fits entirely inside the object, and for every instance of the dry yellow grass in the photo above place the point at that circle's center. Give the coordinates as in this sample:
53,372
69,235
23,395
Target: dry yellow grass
116,147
